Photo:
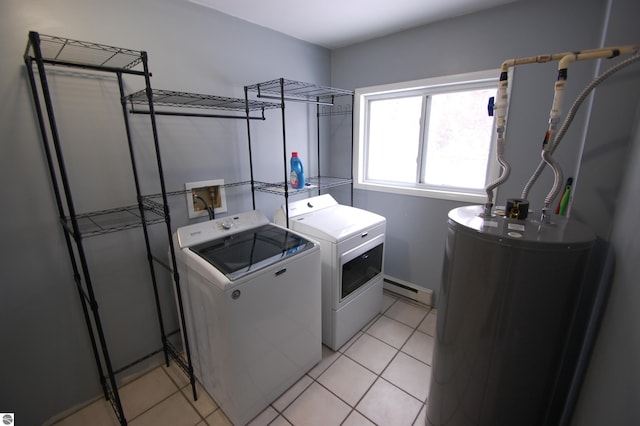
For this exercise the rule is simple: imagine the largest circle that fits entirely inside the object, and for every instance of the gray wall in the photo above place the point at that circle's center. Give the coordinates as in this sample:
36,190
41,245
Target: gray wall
46,365
483,41
611,389
601,150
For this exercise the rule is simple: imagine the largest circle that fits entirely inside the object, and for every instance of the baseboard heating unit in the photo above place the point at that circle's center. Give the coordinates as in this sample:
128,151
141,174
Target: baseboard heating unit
408,290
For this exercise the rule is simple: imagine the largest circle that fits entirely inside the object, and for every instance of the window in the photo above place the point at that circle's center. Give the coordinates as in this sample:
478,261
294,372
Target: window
430,138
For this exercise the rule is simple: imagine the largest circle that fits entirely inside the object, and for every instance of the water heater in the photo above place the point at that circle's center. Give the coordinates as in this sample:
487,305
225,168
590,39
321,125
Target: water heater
507,317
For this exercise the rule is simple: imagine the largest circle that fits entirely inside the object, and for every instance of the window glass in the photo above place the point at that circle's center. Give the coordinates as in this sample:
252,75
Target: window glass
429,137
459,139
394,139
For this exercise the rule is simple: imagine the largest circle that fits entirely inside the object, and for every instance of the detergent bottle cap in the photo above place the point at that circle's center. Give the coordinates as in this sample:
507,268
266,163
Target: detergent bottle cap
294,154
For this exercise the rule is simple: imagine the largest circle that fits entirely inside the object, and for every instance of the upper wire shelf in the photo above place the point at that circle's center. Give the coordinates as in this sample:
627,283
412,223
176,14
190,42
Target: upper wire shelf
297,90
60,50
170,98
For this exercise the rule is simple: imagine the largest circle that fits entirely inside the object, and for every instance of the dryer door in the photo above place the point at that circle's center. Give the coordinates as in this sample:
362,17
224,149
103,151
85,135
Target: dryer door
360,265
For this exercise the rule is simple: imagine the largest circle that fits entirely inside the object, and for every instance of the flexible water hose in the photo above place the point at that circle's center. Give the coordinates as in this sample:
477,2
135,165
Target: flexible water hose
206,206
557,181
501,112
555,114
550,142
571,115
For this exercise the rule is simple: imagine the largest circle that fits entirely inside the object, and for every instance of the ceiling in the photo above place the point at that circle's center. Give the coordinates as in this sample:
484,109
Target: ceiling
338,23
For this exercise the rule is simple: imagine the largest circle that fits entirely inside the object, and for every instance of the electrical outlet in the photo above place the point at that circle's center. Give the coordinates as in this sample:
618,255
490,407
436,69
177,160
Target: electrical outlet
211,191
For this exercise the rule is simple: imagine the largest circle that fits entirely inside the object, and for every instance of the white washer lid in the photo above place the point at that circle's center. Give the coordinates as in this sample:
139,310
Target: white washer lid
335,223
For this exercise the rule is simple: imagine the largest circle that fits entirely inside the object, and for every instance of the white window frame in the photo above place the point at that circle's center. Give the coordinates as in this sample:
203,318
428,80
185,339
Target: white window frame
433,85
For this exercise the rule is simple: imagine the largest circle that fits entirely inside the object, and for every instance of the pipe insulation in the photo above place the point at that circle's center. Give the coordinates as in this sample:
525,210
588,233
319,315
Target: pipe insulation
556,111
501,115
571,115
502,103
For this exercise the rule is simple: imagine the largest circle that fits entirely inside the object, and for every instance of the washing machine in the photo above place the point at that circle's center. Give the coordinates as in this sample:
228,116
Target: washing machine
352,245
252,301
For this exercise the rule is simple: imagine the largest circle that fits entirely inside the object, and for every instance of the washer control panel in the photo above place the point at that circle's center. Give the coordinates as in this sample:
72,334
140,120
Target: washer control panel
218,228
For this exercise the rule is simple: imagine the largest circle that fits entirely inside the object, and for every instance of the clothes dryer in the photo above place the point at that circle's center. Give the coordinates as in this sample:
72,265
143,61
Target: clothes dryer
352,246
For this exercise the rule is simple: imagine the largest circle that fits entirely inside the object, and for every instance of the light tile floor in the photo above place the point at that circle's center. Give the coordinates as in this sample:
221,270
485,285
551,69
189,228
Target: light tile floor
380,377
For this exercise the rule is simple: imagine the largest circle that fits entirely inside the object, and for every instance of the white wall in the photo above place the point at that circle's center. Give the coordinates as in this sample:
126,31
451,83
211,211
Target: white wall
46,365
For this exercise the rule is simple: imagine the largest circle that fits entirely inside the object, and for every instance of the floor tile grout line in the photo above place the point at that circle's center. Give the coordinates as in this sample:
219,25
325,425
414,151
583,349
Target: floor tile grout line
398,350
83,406
367,368
392,358
189,399
415,329
404,323
389,381
177,389
294,399
399,388
191,403
378,376
342,352
130,419
315,380
352,407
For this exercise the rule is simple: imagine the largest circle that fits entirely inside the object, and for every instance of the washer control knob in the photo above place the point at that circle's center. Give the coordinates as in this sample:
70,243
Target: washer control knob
227,225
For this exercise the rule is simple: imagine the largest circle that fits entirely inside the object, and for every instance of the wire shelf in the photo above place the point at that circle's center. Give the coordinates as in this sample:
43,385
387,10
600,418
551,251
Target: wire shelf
336,110
313,184
170,98
122,218
297,90
81,53
117,219
185,191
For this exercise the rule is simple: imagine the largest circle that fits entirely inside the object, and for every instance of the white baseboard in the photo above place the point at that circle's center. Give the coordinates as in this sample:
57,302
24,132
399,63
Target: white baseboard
409,290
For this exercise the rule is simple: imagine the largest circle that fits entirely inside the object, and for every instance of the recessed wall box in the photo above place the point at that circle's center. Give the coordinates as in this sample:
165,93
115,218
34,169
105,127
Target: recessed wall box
212,191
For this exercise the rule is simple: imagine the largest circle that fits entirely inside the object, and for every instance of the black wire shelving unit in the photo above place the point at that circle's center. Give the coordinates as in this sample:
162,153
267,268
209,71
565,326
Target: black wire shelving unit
43,52
186,104
326,100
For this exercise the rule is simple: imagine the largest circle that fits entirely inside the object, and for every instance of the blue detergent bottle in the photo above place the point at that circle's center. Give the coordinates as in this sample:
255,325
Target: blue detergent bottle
297,172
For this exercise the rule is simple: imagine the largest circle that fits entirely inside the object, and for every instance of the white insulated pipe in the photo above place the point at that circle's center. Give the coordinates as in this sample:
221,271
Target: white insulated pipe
571,114
501,118
556,111
501,108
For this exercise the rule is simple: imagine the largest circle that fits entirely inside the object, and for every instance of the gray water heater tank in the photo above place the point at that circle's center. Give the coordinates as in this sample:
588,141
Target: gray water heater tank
507,306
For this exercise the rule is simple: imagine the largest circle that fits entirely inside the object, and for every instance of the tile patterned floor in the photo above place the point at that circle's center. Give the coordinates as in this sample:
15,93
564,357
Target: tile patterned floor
380,377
